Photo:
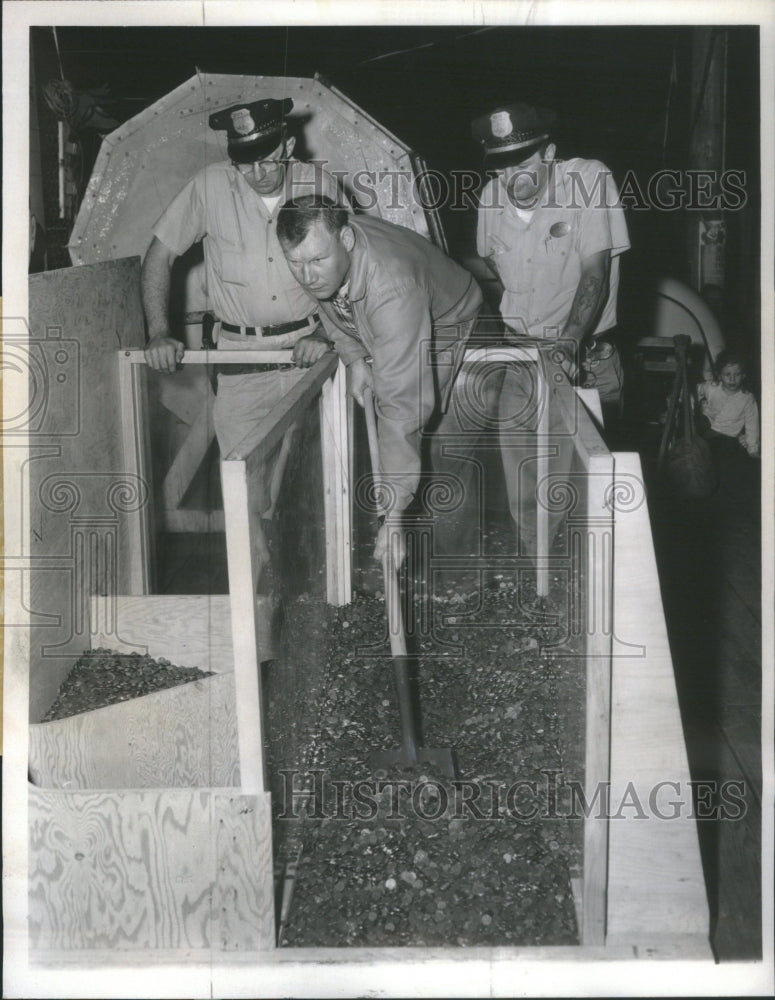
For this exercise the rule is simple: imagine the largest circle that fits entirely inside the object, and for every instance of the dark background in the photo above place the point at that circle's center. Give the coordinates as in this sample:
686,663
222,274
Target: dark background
624,95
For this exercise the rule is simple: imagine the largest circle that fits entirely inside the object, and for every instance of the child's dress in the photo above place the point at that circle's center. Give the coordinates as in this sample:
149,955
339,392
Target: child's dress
733,414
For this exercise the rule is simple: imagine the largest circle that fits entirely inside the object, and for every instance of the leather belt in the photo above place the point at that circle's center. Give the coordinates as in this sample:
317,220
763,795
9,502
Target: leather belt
263,331
270,331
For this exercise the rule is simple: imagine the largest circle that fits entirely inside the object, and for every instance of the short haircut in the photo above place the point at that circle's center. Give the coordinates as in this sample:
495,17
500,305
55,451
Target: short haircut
729,357
299,215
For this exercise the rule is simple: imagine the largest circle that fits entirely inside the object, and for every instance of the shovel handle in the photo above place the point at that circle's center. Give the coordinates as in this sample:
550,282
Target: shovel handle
389,571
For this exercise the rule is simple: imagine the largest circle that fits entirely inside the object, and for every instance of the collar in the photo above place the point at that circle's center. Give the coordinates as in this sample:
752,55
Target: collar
356,280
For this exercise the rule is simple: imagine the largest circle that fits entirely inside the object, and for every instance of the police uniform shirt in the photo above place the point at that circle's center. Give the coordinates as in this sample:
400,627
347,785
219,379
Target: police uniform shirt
248,280
538,255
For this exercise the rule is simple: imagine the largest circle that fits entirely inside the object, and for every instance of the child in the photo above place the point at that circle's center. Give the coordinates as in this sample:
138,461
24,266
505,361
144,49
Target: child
729,410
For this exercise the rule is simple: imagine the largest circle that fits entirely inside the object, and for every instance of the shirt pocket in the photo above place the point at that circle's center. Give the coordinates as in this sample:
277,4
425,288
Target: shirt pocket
234,266
558,239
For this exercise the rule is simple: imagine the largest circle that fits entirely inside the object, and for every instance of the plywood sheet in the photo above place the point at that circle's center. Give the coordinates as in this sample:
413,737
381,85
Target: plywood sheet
165,869
189,630
182,737
80,493
655,880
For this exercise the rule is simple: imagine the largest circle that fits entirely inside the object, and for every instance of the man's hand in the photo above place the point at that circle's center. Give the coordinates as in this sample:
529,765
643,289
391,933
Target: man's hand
569,363
164,354
390,533
359,377
310,349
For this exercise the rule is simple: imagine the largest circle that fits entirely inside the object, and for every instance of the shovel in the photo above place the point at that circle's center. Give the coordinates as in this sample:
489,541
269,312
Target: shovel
410,753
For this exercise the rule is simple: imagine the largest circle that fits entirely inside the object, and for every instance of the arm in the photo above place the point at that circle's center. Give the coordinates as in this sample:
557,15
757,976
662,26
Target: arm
750,438
402,330
163,352
311,348
588,302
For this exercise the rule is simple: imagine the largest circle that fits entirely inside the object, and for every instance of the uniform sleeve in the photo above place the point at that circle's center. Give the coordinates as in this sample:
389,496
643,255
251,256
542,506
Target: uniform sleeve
403,382
482,217
603,226
184,222
347,347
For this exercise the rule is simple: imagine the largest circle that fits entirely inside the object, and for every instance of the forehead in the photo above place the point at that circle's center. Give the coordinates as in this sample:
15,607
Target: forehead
730,367
318,242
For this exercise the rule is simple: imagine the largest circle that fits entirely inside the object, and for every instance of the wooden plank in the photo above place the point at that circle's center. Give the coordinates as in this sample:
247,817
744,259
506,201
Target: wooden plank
217,357
578,423
259,443
598,604
243,575
655,880
184,737
591,400
335,446
141,870
135,444
492,968
188,630
190,456
243,897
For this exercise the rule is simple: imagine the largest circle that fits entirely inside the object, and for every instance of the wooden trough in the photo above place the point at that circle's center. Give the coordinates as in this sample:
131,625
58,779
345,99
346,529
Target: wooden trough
150,833
159,839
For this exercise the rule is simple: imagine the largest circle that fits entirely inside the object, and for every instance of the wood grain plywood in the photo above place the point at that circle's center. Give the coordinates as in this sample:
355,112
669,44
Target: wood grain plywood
189,630
81,495
145,870
655,880
179,738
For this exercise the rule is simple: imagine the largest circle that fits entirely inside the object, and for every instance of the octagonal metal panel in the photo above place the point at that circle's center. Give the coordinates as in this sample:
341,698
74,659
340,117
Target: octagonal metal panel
143,164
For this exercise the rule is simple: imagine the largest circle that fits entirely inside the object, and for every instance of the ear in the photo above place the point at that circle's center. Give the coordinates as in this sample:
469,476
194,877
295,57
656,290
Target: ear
551,149
290,142
347,237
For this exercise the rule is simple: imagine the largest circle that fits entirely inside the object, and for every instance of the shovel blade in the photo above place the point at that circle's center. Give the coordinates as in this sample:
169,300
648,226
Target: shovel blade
442,760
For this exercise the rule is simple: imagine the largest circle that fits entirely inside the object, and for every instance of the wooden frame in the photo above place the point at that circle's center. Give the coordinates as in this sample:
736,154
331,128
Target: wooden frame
242,474
622,915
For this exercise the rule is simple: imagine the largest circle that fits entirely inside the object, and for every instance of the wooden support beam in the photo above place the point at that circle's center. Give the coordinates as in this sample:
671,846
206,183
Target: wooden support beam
135,441
190,455
257,445
335,447
597,553
243,574
216,357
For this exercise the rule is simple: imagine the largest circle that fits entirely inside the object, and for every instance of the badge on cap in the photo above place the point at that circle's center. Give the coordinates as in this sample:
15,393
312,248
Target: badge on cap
500,122
242,121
